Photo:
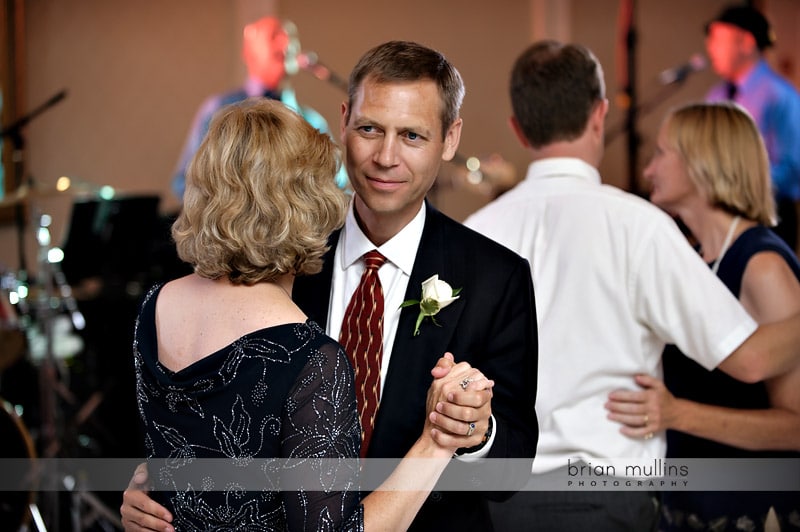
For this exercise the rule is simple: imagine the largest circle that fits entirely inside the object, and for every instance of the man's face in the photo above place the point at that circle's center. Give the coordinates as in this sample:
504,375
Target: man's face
394,149
265,43
726,46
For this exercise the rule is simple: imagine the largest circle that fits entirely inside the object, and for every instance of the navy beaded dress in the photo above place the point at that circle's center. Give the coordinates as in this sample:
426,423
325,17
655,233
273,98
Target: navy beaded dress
732,510
283,392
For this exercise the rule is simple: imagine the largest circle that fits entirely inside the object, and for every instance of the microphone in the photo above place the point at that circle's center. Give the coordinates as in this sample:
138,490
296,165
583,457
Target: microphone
292,48
309,61
679,73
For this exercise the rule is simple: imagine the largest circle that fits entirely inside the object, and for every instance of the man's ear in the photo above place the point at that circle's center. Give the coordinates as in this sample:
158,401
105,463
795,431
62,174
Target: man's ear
748,42
451,140
343,122
597,118
517,129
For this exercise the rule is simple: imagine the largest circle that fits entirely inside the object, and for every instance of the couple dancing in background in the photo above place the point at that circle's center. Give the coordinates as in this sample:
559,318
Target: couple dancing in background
616,280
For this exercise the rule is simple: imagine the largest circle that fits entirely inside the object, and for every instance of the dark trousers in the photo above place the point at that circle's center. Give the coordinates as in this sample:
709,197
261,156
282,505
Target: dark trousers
577,511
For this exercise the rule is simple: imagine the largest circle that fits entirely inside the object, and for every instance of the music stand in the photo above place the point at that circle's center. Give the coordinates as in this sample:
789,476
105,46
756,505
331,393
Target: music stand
111,239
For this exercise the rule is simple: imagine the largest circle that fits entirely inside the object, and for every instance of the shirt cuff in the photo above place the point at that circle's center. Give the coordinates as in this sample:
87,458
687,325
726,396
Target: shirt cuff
484,450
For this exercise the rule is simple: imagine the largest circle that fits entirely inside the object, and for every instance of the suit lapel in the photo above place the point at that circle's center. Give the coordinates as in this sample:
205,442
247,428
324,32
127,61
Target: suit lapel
408,377
431,259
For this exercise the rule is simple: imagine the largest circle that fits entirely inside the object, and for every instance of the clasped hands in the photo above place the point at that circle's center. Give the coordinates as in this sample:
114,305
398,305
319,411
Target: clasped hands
458,407
459,404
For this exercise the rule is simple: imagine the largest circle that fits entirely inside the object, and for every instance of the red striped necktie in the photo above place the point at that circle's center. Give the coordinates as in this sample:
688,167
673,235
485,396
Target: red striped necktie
362,338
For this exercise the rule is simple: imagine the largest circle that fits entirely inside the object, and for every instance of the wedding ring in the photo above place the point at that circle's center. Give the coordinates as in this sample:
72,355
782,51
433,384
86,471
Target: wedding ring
465,383
471,429
648,436
646,419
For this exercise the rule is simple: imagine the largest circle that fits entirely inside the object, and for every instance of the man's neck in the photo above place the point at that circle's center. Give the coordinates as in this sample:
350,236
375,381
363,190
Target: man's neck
574,150
379,228
744,69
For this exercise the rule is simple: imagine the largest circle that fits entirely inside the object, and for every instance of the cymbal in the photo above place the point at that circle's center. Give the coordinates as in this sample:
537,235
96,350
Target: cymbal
64,187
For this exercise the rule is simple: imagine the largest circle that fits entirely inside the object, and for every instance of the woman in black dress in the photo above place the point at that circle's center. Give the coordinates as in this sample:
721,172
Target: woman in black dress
711,170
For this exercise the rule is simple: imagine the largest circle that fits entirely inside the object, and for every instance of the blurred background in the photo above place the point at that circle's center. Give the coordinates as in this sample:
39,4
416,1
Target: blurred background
104,93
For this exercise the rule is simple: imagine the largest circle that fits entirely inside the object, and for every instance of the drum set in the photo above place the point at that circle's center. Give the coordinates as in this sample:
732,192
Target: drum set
39,336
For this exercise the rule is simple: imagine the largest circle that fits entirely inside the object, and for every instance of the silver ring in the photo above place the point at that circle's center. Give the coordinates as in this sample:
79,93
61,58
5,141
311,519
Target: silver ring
471,429
465,383
648,436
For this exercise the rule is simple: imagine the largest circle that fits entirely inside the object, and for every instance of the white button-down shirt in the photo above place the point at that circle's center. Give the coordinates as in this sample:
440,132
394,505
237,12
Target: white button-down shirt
400,252
615,279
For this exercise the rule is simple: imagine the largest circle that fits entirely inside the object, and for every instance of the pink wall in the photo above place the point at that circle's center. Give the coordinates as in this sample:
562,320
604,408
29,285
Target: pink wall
136,71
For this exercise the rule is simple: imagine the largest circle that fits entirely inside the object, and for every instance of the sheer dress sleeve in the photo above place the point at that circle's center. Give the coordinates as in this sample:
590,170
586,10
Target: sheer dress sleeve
321,431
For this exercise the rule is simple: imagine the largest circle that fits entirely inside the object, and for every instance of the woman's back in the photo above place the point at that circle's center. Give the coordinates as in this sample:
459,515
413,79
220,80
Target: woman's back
274,392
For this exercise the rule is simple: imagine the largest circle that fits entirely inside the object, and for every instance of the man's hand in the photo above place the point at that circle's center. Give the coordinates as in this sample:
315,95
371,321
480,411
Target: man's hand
140,512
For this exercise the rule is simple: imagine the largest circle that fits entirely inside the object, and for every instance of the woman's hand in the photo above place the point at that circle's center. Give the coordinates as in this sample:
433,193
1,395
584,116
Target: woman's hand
458,404
643,412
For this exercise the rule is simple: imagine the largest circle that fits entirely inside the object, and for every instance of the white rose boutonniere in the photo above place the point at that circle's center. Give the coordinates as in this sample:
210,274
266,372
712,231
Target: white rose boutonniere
436,294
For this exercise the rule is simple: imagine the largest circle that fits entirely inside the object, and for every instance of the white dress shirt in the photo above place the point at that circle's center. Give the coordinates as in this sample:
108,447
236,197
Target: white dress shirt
615,280
400,252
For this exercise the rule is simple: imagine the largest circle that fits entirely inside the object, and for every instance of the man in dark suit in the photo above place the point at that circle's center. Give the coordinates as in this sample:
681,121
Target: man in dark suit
489,326
400,122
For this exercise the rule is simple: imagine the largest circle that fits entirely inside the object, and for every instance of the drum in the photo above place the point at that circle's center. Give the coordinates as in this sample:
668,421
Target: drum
15,442
12,338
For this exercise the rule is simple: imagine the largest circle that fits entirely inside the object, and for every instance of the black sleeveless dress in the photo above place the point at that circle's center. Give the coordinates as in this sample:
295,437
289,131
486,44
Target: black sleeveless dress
732,510
281,392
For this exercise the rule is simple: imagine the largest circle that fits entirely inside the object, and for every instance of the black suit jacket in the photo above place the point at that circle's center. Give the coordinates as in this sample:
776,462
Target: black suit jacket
492,326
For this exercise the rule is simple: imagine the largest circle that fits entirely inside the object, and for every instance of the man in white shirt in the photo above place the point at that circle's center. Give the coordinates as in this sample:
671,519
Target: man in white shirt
615,280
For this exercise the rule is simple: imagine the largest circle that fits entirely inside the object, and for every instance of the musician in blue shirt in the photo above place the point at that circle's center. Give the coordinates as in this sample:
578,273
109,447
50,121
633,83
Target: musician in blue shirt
735,42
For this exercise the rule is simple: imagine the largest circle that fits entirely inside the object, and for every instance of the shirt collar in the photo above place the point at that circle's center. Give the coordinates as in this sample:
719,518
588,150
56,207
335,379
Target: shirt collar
563,167
254,87
753,78
396,250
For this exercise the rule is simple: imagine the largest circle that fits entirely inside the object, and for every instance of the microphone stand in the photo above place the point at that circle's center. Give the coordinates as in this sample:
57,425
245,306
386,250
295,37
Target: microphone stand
14,131
323,73
633,107
644,109
23,121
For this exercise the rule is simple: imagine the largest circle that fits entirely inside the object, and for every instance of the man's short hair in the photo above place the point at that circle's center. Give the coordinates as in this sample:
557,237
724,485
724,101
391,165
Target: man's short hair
749,19
400,61
553,89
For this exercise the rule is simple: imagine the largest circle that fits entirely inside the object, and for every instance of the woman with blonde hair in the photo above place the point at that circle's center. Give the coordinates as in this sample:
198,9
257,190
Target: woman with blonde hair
710,169
229,368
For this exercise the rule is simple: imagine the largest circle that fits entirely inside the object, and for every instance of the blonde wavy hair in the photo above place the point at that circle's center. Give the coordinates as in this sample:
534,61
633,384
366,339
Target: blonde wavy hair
725,157
260,199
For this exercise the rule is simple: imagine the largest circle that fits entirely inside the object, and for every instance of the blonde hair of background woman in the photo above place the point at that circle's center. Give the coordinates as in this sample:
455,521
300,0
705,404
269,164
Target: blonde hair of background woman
725,157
